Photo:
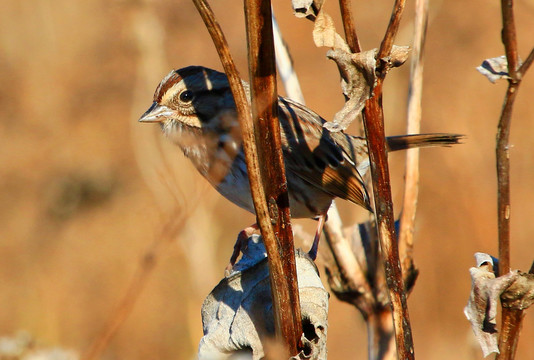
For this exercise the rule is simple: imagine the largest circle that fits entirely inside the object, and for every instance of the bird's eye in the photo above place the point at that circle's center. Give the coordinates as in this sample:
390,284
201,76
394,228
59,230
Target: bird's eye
186,96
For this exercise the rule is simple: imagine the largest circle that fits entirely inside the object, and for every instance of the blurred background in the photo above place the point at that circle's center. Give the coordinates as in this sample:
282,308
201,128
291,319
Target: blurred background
86,192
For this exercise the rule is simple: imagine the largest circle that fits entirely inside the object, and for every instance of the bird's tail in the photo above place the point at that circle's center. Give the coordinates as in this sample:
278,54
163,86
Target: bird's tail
403,142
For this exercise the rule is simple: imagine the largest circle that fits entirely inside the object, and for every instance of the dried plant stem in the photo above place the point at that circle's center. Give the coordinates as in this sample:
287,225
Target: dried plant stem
348,26
510,331
374,130
511,318
526,65
351,273
509,38
415,95
391,32
503,156
280,249
503,178
279,280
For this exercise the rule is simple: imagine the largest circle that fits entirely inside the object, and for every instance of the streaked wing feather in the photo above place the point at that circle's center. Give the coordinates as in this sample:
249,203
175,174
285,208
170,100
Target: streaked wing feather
318,156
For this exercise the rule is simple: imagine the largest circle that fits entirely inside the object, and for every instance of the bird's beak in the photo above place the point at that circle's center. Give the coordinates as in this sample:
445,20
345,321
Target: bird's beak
156,113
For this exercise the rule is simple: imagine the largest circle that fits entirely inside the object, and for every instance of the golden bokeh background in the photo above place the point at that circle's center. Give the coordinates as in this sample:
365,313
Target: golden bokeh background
85,190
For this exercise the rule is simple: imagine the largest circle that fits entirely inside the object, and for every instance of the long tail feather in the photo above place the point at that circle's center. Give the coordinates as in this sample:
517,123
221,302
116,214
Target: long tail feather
403,142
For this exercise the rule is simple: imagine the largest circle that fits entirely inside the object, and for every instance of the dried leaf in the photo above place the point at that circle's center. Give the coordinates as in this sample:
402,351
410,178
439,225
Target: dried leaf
520,295
481,309
398,55
358,80
306,8
494,69
324,33
237,314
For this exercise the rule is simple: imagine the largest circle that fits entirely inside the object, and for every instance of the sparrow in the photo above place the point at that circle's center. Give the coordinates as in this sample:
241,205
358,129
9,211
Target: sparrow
195,109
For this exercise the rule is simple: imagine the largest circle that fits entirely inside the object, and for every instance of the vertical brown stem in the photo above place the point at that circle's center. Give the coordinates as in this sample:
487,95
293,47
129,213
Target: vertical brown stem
348,26
374,129
280,249
509,37
503,178
511,319
280,291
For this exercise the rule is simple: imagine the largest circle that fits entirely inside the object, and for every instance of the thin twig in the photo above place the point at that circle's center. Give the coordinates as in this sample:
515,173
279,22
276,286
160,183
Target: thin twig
348,26
415,95
503,178
509,38
350,271
280,249
526,65
391,32
284,64
511,319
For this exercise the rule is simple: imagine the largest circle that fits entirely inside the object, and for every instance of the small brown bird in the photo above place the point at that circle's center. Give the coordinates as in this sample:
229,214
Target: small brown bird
196,110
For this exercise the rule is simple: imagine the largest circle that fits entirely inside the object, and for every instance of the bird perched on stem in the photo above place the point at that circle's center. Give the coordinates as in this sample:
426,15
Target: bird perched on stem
196,110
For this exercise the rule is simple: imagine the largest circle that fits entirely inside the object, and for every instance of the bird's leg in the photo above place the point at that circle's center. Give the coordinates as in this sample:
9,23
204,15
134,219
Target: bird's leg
315,246
241,244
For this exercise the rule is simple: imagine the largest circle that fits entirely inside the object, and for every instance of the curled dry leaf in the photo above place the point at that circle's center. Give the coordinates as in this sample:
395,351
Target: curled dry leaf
358,80
324,33
237,315
515,290
357,70
481,309
306,8
494,69
520,295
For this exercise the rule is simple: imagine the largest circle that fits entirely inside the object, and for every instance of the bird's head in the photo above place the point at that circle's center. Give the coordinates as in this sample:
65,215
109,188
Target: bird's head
192,99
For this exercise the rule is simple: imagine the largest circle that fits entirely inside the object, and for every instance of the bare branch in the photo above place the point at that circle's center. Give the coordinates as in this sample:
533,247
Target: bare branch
509,37
511,318
280,248
526,65
348,26
391,32
374,129
411,185
257,187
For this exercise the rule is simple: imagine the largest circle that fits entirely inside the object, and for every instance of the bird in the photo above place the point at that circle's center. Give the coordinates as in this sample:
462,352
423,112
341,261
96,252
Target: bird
195,109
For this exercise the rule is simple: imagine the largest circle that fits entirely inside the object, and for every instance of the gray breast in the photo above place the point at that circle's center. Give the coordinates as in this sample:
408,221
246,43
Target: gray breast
235,186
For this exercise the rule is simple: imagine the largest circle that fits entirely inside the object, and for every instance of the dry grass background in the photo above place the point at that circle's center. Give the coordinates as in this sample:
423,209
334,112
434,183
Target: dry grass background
85,189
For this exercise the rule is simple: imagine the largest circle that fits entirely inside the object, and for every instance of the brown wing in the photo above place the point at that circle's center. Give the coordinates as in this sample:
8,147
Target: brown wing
325,160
